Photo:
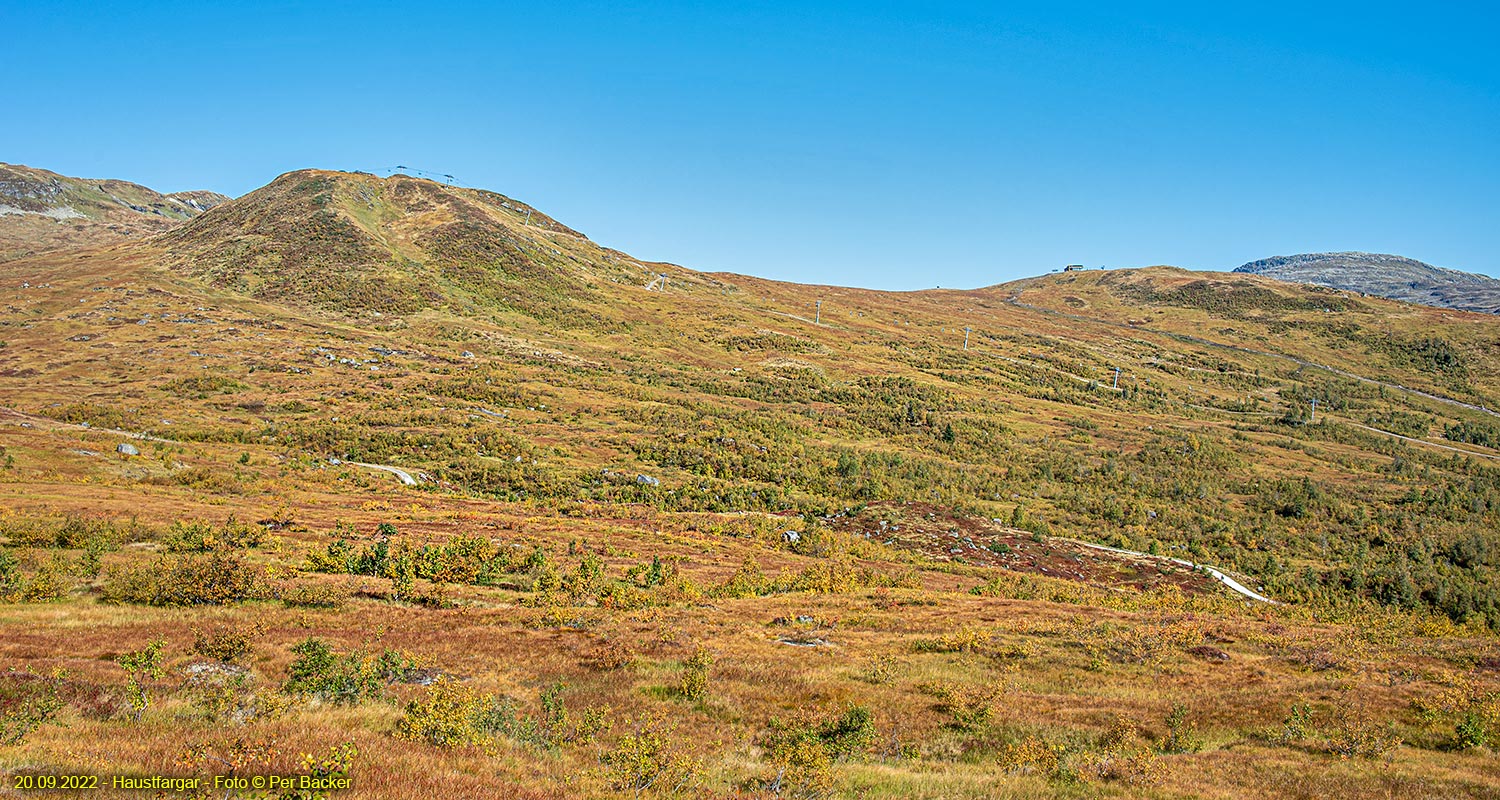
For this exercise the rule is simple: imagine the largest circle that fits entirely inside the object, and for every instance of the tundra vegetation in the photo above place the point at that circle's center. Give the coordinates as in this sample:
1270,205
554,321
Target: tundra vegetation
690,543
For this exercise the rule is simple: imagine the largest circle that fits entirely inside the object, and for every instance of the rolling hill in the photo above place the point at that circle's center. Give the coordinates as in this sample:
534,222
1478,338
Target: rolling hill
1388,276
41,210
760,537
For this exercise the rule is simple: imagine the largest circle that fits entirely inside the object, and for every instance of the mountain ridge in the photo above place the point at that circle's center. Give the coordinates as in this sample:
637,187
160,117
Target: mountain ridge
42,211
1390,276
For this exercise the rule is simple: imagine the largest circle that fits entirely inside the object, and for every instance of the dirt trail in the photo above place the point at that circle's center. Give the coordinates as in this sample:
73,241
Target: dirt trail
1233,584
405,476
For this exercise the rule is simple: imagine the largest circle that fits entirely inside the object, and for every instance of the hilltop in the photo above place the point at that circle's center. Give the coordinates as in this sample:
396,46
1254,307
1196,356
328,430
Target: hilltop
1389,276
350,241
754,536
42,210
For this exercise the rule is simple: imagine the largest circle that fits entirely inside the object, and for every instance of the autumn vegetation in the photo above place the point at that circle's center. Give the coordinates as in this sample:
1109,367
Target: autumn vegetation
692,544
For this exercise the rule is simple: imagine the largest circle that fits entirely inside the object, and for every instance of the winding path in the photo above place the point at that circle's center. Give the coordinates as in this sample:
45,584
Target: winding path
405,476
1233,584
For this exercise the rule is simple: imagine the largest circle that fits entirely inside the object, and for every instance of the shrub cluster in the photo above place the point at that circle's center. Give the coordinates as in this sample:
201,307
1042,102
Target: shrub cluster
451,714
219,578
320,672
202,537
803,751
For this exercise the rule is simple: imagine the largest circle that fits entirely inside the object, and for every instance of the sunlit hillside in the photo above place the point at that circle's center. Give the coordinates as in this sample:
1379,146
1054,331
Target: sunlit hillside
680,533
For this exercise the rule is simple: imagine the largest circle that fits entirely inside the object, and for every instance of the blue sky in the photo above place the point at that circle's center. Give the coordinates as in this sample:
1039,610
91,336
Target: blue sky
889,145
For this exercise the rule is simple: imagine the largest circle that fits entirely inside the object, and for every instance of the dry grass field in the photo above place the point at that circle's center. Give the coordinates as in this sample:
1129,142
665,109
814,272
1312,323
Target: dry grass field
713,541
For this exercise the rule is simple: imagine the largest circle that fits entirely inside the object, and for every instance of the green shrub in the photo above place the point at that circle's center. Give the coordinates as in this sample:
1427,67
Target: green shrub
1481,433
344,679
141,666
1473,729
1181,736
11,578
848,735
804,751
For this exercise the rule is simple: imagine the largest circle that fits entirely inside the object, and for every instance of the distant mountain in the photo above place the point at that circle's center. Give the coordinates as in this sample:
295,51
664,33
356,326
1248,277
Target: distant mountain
1386,276
42,211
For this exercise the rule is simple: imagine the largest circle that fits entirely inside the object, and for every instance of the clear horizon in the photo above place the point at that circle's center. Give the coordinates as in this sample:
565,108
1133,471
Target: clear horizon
889,146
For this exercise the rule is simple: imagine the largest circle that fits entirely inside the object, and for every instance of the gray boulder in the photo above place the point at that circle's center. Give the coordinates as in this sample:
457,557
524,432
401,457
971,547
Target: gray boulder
126,448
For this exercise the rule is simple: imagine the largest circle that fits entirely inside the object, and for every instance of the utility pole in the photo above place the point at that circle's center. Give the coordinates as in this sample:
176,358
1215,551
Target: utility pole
1117,378
966,337
528,217
818,315
1314,416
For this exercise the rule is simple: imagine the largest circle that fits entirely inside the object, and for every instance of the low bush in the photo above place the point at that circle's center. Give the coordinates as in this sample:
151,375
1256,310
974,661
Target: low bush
454,715
694,684
449,715
26,703
202,537
609,655
140,667
226,643
49,577
969,707
219,578
647,758
1355,735
344,679
314,595
1181,736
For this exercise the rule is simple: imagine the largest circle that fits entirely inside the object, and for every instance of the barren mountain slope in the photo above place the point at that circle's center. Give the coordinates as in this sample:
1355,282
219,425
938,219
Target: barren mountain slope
41,210
1386,276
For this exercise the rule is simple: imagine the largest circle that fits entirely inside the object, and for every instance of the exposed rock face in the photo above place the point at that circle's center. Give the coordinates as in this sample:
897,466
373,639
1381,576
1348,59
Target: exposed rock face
1383,275
42,211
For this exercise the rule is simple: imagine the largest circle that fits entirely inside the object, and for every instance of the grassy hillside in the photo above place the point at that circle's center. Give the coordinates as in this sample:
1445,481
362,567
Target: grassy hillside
606,475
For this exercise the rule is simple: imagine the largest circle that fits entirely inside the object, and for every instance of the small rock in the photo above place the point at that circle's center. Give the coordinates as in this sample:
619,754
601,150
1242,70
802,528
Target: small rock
647,480
791,537
126,448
